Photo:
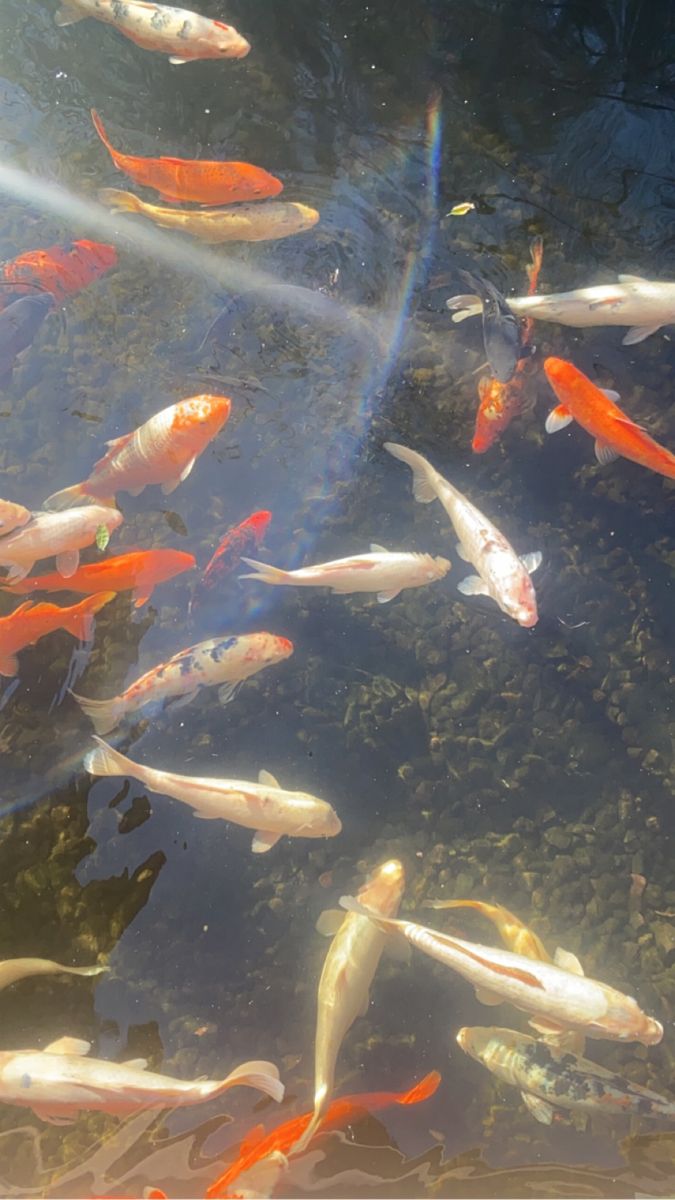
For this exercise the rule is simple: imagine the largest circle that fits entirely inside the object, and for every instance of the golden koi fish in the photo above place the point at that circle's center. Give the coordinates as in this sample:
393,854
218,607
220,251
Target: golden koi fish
185,36
238,223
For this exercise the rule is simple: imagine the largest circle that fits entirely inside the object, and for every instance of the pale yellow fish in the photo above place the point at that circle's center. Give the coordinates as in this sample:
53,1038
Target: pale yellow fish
460,210
14,969
515,935
61,534
382,571
348,971
238,223
184,35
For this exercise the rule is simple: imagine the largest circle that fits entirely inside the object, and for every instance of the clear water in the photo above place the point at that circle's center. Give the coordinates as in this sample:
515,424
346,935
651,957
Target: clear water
532,768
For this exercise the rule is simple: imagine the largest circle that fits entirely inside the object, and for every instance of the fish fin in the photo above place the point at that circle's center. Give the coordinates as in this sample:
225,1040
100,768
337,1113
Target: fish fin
68,1045
136,491
543,1025
567,961
263,1076
141,597
423,488
463,554
422,1090
268,779
67,562
9,665
106,760
227,691
473,585
604,453
264,572
187,469
631,279
17,573
263,840
385,597
462,307
558,418
53,1117
182,701
79,619
397,948
137,1064
329,922
178,62
540,1110
253,1138
531,561
118,442
376,548
638,333
68,16
66,498
611,394
103,714
485,996
170,485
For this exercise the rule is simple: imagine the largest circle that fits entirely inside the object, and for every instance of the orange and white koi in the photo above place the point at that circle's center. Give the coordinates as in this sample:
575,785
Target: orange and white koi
383,571
184,35
238,223
264,806
163,450
557,999
61,534
220,662
30,622
501,573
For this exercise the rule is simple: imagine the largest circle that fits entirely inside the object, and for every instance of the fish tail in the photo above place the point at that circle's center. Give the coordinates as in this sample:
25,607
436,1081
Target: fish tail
422,1090
86,972
80,618
423,472
313,1127
98,126
265,573
479,904
120,201
263,1076
66,498
103,714
106,760
464,306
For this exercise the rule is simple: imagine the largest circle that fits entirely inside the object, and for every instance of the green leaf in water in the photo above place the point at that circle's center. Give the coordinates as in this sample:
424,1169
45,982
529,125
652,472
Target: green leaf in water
102,537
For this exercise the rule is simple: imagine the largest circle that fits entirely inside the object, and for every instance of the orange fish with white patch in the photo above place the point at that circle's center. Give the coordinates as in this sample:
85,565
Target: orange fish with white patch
30,622
163,450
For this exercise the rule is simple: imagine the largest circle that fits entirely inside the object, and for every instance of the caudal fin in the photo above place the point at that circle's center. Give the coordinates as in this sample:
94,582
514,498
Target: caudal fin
305,1138
263,1076
66,498
265,573
98,126
423,472
422,1090
103,714
106,760
79,620
120,201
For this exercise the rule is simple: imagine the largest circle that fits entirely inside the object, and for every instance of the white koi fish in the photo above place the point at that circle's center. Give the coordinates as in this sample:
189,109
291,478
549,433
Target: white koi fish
644,304
381,571
184,35
220,662
550,1078
14,969
501,573
348,971
60,534
558,999
59,1082
264,806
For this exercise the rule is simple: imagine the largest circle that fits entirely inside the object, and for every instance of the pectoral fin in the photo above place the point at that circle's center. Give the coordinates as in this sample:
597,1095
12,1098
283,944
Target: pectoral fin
543,1025
330,921
567,961
137,1064
558,418
541,1111
54,1118
263,840
268,779
67,563
485,996
68,1045
462,553
473,585
604,453
178,62
68,16
384,597
375,548
227,692
638,334
631,279
611,394
183,700
531,561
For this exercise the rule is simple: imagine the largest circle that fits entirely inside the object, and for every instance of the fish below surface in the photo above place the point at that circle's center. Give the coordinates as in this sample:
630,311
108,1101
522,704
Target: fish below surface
184,35
383,571
238,223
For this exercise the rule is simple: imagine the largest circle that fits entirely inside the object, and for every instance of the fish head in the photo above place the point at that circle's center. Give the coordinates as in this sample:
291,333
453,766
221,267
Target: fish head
383,889
561,375
197,420
520,602
225,42
259,522
275,649
98,256
624,1020
485,1042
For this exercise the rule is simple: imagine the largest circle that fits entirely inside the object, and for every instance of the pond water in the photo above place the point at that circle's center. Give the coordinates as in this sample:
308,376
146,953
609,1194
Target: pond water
531,768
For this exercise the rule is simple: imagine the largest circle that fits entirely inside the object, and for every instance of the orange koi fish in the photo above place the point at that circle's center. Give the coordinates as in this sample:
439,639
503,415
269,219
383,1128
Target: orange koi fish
30,622
258,1145
615,434
163,450
228,554
501,402
204,182
61,270
139,571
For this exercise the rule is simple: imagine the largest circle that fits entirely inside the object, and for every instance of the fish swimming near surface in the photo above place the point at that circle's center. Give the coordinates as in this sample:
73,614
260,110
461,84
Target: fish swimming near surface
139,571
61,535
596,411
557,999
19,325
201,181
14,969
60,270
12,516
383,571
240,223
348,972
502,335
161,451
264,806
59,1082
515,935
644,304
30,622
228,554
550,1078
223,662
501,573
184,35
258,1145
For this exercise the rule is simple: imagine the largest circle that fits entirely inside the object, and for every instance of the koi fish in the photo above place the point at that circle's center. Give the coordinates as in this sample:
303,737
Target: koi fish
60,534
558,999
30,622
258,1145
501,573
263,806
223,662
60,269
163,450
499,402
501,330
19,324
14,969
348,971
178,179
245,223
594,409
12,516
644,304
381,571
139,571
515,935
549,1079
228,554
59,1082
184,35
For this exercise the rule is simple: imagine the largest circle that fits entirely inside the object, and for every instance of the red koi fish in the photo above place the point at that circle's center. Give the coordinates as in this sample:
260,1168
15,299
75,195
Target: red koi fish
257,1145
139,571
237,542
501,402
61,270
615,434
30,622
